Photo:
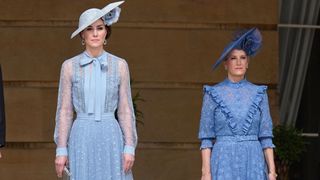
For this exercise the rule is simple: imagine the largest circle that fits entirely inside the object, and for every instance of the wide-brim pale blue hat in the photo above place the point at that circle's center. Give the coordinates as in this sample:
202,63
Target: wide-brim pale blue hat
250,41
109,14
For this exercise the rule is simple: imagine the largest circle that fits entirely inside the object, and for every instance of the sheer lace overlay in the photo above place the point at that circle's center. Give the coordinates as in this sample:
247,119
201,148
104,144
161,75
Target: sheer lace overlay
235,109
64,114
125,107
94,87
236,124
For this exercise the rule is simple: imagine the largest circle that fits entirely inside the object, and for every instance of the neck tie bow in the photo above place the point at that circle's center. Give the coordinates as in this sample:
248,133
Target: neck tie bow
93,78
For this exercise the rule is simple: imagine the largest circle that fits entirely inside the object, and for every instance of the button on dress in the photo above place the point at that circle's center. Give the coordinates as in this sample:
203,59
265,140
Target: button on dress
236,124
94,141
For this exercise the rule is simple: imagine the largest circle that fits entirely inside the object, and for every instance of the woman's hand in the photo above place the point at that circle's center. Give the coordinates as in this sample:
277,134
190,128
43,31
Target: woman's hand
60,162
0,155
206,176
128,160
272,176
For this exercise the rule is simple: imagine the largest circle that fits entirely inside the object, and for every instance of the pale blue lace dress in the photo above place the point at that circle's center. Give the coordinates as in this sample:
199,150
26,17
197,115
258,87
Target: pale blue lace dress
94,140
236,124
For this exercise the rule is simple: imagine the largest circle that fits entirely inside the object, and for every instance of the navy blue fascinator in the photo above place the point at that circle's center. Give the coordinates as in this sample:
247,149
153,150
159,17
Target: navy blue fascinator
250,41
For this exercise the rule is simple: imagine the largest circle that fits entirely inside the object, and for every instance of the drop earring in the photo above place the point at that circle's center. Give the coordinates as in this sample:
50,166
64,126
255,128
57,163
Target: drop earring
83,42
105,42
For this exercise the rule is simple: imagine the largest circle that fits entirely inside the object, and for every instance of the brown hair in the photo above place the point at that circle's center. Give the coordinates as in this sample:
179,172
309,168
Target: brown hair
228,55
108,28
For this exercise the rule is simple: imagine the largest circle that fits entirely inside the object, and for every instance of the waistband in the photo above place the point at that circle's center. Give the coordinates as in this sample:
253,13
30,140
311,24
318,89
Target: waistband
237,138
86,116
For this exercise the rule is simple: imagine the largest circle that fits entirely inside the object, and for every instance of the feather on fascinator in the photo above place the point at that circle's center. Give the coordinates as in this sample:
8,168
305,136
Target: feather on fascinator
250,41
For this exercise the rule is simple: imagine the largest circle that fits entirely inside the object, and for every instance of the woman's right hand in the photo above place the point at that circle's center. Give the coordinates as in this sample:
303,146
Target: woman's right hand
206,176
60,162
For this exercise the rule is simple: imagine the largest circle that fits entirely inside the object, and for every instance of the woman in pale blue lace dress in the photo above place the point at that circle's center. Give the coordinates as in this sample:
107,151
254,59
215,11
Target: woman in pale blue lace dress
93,84
235,126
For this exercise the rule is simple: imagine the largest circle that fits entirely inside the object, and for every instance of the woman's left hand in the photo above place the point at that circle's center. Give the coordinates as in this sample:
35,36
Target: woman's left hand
128,160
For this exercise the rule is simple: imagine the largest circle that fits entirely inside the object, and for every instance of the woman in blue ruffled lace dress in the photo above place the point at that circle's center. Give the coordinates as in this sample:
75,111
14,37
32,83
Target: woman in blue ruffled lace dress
94,84
235,126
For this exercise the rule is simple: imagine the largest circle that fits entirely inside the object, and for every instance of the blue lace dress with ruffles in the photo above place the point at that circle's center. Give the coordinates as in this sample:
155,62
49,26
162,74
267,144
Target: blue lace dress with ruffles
236,124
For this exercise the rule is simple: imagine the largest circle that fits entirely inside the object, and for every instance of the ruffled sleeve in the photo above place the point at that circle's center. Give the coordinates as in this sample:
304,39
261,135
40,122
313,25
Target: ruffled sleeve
64,114
206,130
126,115
265,131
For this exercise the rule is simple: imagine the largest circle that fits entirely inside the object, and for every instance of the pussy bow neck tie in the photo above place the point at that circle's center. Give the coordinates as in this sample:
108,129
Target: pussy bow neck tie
94,77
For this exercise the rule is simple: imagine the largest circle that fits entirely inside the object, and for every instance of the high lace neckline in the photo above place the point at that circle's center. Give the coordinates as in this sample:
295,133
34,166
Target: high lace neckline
238,84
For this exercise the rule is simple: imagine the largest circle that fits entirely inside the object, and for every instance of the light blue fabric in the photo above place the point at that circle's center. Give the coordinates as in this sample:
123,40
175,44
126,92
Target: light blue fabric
61,151
236,124
129,150
94,87
95,83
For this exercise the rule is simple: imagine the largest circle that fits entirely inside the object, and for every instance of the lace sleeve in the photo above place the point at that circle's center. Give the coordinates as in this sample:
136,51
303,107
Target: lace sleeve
64,114
206,129
125,110
265,131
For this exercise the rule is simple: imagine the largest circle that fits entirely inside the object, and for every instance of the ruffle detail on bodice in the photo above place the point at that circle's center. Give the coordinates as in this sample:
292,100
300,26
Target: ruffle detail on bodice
225,110
261,90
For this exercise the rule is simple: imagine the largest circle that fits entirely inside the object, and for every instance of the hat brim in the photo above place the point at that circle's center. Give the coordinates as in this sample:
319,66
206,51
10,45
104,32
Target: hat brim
104,11
230,47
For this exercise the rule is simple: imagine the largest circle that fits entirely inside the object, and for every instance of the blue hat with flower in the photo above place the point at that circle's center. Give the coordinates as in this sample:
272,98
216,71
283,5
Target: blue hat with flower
250,41
109,14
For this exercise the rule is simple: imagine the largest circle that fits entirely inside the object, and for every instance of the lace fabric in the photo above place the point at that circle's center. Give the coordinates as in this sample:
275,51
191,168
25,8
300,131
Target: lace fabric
235,109
125,107
78,94
64,114
236,124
